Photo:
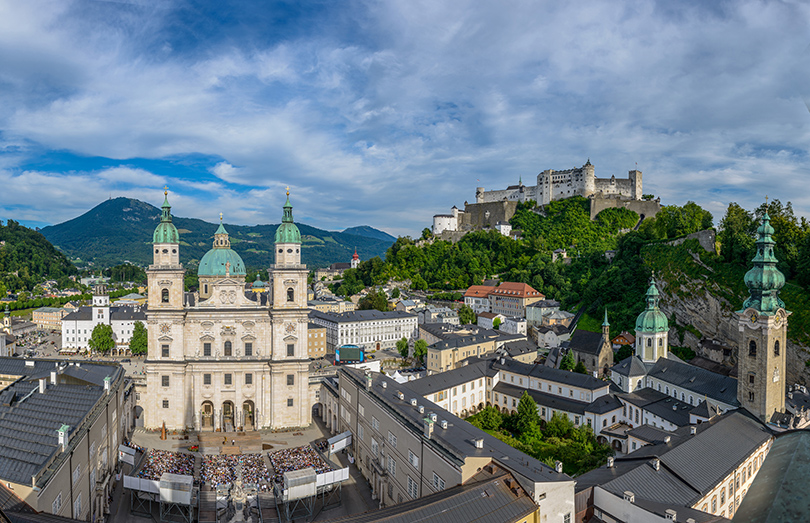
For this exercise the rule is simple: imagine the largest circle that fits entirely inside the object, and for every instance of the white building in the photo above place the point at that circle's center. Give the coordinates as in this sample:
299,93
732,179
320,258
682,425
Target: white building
371,329
446,222
77,327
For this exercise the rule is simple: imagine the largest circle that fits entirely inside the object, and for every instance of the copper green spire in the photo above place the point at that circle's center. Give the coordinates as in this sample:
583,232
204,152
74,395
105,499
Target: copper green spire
166,232
764,280
605,323
287,232
652,319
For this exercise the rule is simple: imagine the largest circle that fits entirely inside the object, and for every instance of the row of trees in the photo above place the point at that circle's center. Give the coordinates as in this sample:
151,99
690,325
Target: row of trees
102,339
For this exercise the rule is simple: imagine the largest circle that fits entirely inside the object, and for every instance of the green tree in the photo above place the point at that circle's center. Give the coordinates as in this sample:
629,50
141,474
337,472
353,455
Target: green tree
402,347
420,350
426,233
496,323
374,300
567,362
737,235
466,315
528,421
101,340
624,352
580,368
488,419
395,293
138,343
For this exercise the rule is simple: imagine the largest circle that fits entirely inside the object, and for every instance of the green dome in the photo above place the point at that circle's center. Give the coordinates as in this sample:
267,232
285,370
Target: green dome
166,232
258,284
764,280
215,262
287,232
652,319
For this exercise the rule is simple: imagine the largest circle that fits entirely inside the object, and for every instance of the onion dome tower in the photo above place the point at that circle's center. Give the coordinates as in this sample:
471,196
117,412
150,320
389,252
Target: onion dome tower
762,325
652,329
165,275
219,262
288,238
355,259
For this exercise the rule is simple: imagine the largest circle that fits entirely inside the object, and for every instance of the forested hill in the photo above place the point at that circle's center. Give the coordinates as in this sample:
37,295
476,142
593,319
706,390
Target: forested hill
26,258
121,229
371,232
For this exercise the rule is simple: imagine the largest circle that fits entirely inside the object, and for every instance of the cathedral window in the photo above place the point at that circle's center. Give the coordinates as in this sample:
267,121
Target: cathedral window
776,348
164,381
290,349
290,379
752,348
165,404
751,378
164,296
228,348
164,351
248,379
206,379
290,294
206,349
205,288
249,349
289,402
751,397
228,378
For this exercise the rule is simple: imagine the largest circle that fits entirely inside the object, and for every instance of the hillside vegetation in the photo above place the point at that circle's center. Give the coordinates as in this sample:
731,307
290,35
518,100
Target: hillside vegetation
27,258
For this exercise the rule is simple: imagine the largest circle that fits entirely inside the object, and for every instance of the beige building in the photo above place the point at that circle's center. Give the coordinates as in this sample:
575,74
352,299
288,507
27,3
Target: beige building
316,341
332,305
511,299
49,317
410,448
448,354
370,329
226,359
59,454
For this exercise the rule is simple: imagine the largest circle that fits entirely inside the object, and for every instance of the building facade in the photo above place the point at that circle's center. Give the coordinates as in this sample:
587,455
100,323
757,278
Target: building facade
49,317
371,329
316,341
77,326
233,360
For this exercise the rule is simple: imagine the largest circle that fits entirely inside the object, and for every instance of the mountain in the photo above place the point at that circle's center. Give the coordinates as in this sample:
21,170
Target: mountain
370,232
26,257
121,229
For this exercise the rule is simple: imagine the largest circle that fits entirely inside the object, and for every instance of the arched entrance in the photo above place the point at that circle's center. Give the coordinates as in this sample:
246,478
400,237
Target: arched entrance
227,416
248,412
207,415
603,440
617,445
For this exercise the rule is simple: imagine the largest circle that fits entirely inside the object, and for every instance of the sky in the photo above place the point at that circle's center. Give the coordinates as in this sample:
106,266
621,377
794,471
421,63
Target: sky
386,113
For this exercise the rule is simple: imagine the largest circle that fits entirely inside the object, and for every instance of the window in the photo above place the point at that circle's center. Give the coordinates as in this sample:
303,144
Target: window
92,453
714,504
361,410
164,381
228,349
752,348
375,424
290,349
649,342
392,440
375,447
164,351
634,445
206,379
567,518
228,378
413,459
723,496
751,397
438,482
165,404
206,349
289,402
360,432
164,296
392,466
77,473
248,379
751,378
290,294
56,506
776,348
77,506
413,488
290,379
249,349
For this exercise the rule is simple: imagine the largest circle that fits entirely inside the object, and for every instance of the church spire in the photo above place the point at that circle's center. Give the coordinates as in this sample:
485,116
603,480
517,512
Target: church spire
764,280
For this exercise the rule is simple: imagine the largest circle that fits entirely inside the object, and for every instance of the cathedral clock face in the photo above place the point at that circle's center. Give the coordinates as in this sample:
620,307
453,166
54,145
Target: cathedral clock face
165,328
754,317
777,320
290,328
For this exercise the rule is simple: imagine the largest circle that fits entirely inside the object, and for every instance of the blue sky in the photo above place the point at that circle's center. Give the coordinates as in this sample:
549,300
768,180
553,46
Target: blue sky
385,113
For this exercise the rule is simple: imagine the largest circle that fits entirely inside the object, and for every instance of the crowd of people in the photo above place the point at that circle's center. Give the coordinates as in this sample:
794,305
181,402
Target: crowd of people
222,470
134,446
159,461
296,459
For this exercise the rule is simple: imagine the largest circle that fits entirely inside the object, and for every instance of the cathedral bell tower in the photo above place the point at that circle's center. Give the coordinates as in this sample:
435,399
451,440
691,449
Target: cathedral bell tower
652,329
762,324
165,275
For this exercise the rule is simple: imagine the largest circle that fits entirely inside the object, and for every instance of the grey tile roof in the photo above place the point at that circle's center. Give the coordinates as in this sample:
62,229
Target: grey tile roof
545,304
700,381
643,397
542,372
541,398
705,410
650,434
128,313
451,378
520,347
631,367
490,501
604,404
367,315
586,341
454,442
672,410
779,492
461,341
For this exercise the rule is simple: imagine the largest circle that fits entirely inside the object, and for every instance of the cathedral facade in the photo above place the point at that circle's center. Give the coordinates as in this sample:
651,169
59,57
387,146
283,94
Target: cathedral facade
223,358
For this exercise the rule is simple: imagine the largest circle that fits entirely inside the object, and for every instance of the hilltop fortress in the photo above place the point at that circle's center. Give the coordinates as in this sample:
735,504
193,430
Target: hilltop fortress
493,209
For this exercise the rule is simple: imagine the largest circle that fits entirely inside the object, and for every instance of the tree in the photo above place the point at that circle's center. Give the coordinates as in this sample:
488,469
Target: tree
737,235
395,293
402,347
488,419
624,352
420,350
580,368
374,300
496,323
528,421
138,343
466,315
567,362
426,233
101,339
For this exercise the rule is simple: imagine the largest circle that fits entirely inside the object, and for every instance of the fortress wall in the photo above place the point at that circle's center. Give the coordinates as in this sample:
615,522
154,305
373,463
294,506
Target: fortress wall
475,214
649,208
620,186
495,196
707,239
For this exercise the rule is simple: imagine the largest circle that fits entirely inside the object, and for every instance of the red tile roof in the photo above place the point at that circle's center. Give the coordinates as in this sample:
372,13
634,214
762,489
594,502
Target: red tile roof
478,291
518,290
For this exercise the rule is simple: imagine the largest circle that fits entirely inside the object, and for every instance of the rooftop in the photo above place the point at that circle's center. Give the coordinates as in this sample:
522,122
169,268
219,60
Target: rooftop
356,316
696,379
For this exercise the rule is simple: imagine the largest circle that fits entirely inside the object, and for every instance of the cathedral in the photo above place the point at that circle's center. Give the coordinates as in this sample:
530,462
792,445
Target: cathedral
223,358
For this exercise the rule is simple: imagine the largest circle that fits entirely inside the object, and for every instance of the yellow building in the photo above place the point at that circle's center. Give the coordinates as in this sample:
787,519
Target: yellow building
316,341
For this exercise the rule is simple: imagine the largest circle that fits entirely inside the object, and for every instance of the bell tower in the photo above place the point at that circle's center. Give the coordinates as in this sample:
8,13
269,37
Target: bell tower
762,325
652,329
165,275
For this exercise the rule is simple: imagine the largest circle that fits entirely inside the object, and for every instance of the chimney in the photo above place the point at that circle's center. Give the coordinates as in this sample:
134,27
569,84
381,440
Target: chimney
368,380
444,423
43,384
400,395
690,520
479,443
78,364
610,462
428,427
667,439
671,514
63,436
385,384
629,496
558,466
413,402
107,381
53,377
656,463
421,409
693,430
